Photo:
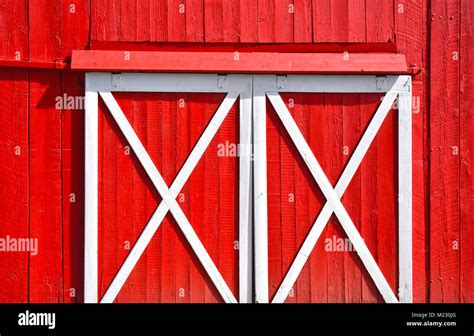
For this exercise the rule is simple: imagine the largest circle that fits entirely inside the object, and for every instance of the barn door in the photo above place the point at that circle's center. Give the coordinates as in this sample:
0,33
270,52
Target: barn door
294,117
281,118
102,89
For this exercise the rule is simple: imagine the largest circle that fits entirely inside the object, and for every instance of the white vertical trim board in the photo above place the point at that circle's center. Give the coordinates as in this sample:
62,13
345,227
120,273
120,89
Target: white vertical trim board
91,196
245,200
260,194
405,193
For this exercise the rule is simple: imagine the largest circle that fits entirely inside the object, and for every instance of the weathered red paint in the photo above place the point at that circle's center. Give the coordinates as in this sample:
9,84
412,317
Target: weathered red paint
239,62
38,181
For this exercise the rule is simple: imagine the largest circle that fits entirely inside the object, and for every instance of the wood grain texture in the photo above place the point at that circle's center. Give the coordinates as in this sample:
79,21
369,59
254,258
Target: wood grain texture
38,185
444,142
72,172
14,44
45,184
411,30
14,182
465,172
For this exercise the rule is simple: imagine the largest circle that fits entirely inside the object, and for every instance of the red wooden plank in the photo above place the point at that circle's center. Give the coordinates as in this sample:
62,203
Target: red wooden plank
169,227
231,20
352,197
321,21
183,148
34,65
72,171
332,165
75,23
105,20
197,198
274,200
357,30
248,21
228,222
369,204
14,183
318,259
302,21
213,21
339,29
159,21
210,188
466,129
265,21
194,21
108,196
380,21
248,62
45,269
44,34
115,206
14,46
248,46
283,18
340,20
135,20
444,164
303,181
142,191
176,21
386,197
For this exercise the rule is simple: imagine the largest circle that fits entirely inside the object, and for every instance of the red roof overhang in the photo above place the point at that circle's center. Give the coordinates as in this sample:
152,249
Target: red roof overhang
239,62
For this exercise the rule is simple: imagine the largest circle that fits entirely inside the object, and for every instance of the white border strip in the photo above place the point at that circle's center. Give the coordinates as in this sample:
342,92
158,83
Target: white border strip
91,196
405,195
260,194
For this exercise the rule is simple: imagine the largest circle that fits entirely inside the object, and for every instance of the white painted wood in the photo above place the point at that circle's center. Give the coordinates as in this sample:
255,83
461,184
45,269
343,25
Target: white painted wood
91,197
169,82
328,83
245,200
405,195
168,197
341,186
332,198
260,196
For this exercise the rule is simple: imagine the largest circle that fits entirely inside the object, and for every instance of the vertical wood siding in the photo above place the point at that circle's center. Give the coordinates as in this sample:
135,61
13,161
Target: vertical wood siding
41,146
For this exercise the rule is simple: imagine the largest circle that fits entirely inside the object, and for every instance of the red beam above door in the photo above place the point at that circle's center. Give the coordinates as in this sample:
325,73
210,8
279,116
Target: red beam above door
239,62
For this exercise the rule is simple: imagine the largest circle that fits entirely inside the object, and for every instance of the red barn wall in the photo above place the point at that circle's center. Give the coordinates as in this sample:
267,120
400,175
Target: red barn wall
42,147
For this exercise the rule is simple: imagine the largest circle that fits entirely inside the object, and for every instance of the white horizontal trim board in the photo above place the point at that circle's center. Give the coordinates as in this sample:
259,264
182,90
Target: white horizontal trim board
169,197
168,82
